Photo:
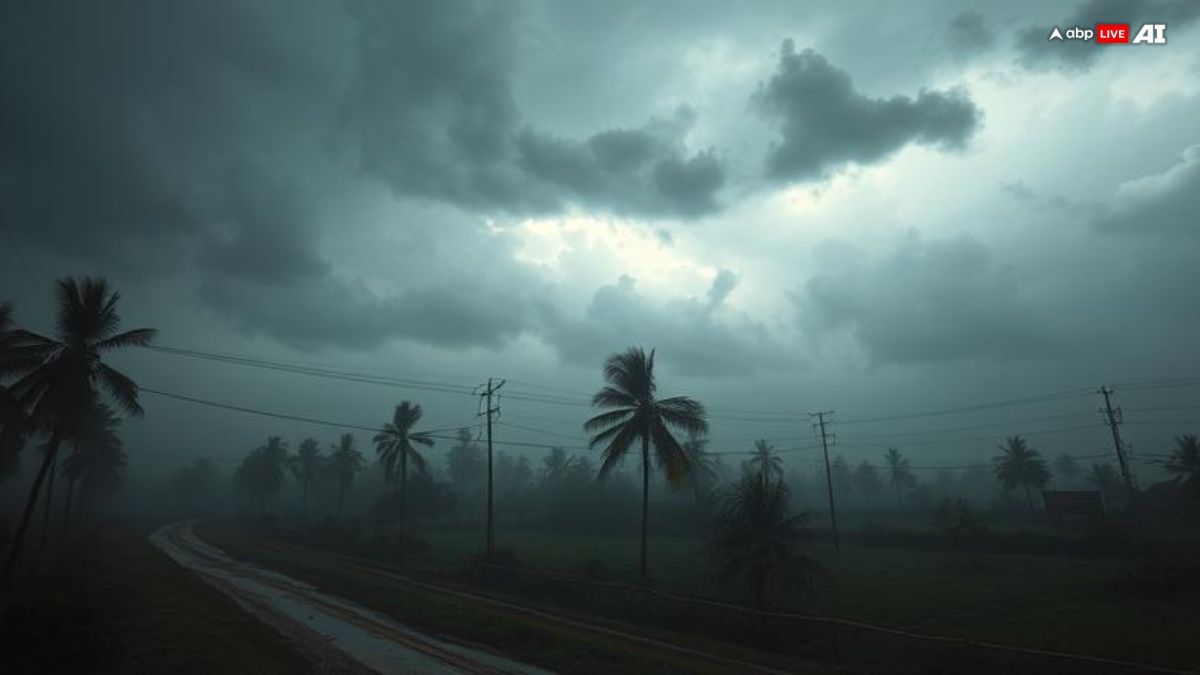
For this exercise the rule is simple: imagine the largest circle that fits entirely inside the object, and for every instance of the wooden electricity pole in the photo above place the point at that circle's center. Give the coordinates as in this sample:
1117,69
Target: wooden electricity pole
837,544
1114,423
489,410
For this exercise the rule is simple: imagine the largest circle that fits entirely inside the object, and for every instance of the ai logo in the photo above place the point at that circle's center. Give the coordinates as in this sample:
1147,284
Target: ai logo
1151,34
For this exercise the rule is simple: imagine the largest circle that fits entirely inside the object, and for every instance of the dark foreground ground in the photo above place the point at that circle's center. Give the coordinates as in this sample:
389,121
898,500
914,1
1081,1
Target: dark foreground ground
112,603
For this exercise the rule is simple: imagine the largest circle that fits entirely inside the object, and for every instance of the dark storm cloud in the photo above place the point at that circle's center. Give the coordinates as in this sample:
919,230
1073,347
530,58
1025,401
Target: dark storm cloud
328,311
1036,52
642,170
1160,204
925,301
688,335
825,123
967,33
432,112
268,237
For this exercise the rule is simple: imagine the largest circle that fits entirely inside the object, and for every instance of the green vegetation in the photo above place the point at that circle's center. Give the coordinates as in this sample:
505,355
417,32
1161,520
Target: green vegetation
117,604
1073,604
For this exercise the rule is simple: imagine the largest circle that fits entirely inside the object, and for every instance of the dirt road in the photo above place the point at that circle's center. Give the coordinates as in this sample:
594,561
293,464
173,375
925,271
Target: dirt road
322,622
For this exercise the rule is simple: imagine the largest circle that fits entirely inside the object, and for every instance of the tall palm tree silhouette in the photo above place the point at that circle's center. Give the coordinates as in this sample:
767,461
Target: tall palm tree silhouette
396,444
305,465
344,462
97,446
58,379
637,415
765,463
1018,464
1184,463
757,537
899,473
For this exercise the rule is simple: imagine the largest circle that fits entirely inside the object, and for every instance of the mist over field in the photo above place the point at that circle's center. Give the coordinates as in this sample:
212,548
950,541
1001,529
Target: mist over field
534,336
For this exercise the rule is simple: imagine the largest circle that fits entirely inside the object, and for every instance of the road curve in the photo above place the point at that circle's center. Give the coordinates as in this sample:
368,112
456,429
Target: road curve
373,640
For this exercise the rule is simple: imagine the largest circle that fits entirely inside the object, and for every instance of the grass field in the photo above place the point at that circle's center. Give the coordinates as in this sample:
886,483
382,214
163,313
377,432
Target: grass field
114,603
1071,604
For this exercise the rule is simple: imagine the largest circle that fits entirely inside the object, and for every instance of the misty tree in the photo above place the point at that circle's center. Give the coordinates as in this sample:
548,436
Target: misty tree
464,461
1184,464
757,539
192,482
344,463
635,414
56,380
261,472
867,481
1105,478
900,475
702,469
306,465
97,457
843,479
555,465
765,463
396,447
1066,469
1019,465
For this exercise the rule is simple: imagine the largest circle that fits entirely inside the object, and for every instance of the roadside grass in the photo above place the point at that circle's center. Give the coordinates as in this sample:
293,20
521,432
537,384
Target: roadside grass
542,641
1071,604
114,603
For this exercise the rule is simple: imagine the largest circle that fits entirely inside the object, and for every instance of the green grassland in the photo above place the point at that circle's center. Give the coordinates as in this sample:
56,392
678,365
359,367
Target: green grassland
114,603
1073,604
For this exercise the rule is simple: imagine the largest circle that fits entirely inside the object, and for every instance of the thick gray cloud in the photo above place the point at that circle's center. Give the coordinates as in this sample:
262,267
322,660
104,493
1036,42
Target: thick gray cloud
1166,203
690,337
1036,52
825,123
925,301
967,33
642,170
432,112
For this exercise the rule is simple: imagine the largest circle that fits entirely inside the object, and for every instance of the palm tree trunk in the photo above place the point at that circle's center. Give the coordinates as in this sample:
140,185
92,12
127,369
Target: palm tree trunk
15,548
403,494
1029,496
66,520
49,501
645,498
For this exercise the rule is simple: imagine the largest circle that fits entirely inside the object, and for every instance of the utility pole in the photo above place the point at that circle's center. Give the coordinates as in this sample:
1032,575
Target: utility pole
1114,422
489,411
837,544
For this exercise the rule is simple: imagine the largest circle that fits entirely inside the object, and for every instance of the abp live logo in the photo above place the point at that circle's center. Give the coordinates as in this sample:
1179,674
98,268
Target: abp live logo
1114,33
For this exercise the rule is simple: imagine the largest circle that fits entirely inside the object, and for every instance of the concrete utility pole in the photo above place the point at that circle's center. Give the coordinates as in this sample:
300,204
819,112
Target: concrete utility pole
489,411
837,543
1114,422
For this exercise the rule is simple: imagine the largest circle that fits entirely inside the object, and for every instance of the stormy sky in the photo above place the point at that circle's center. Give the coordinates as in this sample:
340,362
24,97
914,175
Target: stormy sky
802,206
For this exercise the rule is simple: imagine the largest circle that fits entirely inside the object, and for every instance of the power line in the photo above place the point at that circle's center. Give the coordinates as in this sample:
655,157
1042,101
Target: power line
1054,396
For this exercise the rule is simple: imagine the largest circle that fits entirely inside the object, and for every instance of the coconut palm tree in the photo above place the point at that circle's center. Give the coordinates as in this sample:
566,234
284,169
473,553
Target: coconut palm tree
1067,469
396,444
344,462
1018,464
97,463
12,427
757,537
96,446
765,464
1184,463
636,414
262,471
900,475
702,468
58,379
555,465
305,465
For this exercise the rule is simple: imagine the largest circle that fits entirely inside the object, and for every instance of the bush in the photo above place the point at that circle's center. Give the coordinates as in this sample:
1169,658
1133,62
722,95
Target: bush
959,521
